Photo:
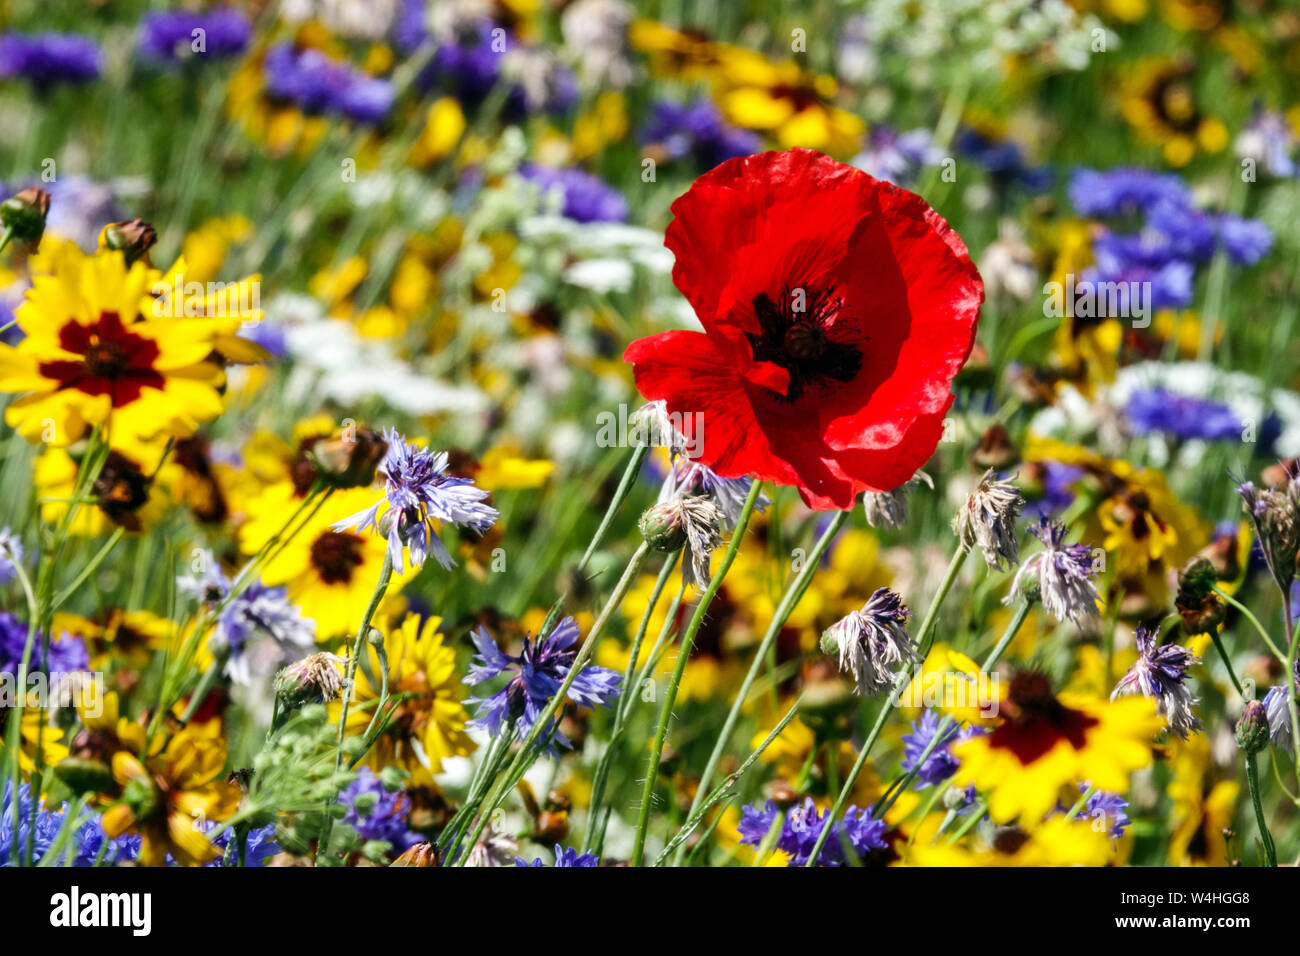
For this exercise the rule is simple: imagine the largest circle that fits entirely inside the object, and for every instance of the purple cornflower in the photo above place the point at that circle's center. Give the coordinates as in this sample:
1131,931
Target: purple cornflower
419,495
1124,191
45,59
67,653
535,675
872,642
1269,139
173,35
377,813
1245,240
317,84
1004,159
898,157
564,856
1160,672
803,824
585,197
1278,713
41,826
1107,808
1060,576
258,611
1182,416
698,130
259,846
1056,487
941,764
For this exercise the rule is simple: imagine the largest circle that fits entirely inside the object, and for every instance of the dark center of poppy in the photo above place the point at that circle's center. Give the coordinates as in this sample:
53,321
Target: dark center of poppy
803,332
1035,720
335,555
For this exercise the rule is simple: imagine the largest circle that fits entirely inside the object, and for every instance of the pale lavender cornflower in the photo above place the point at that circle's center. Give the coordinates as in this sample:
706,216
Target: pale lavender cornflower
1278,713
873,643
419,495
1160,672
1060,576
987,520
11,554
536,673
257,611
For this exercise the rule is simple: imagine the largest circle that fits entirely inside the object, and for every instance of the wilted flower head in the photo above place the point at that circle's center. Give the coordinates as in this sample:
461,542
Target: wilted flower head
313,679
535,674
1275,514
1160,672
693,523
493,849
1060,576
873,643
1278,712
888,509
688,477
988,520
418,495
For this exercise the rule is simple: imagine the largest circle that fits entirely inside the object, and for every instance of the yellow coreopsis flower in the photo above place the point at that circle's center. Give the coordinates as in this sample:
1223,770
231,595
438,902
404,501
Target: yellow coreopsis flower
1203,807
1044,743
1160,103
429,723
167,796
1054,842
91,358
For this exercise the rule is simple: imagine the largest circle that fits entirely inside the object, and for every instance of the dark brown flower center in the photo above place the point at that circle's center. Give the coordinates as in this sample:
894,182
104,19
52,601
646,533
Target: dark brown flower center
803,332
336,555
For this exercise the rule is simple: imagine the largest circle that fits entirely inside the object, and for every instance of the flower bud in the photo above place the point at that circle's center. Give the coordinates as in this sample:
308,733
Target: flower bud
663,528
1252,728
83,775
313,680
23,215
133,238
422,854
348,461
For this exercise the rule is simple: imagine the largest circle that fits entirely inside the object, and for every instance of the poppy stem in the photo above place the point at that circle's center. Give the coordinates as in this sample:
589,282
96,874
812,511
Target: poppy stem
923,643
793,595
683,657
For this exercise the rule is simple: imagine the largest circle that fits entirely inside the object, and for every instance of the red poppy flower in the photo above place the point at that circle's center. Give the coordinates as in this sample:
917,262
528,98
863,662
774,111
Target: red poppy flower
836,311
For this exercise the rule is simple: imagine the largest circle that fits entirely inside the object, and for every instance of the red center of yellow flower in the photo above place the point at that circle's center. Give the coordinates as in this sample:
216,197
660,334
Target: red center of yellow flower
1035,720
114,360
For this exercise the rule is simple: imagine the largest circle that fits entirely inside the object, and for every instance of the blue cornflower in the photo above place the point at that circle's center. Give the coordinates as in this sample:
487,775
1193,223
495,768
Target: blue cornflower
585,198
259,846
1124,191
898,157
376,812
1245,240
803,824
418,496
1056,489
1108,808
698,130
872,642
258,611
1181,416
45,59
564,856
317,84
1160,672
82,849
941,764
1004,159
67,652
171,35
535,675
11,553
1269,139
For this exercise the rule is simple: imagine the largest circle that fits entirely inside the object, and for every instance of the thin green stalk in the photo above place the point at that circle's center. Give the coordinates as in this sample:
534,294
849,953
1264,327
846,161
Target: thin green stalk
683,657
1246,613
789,601
922,640
1252,781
